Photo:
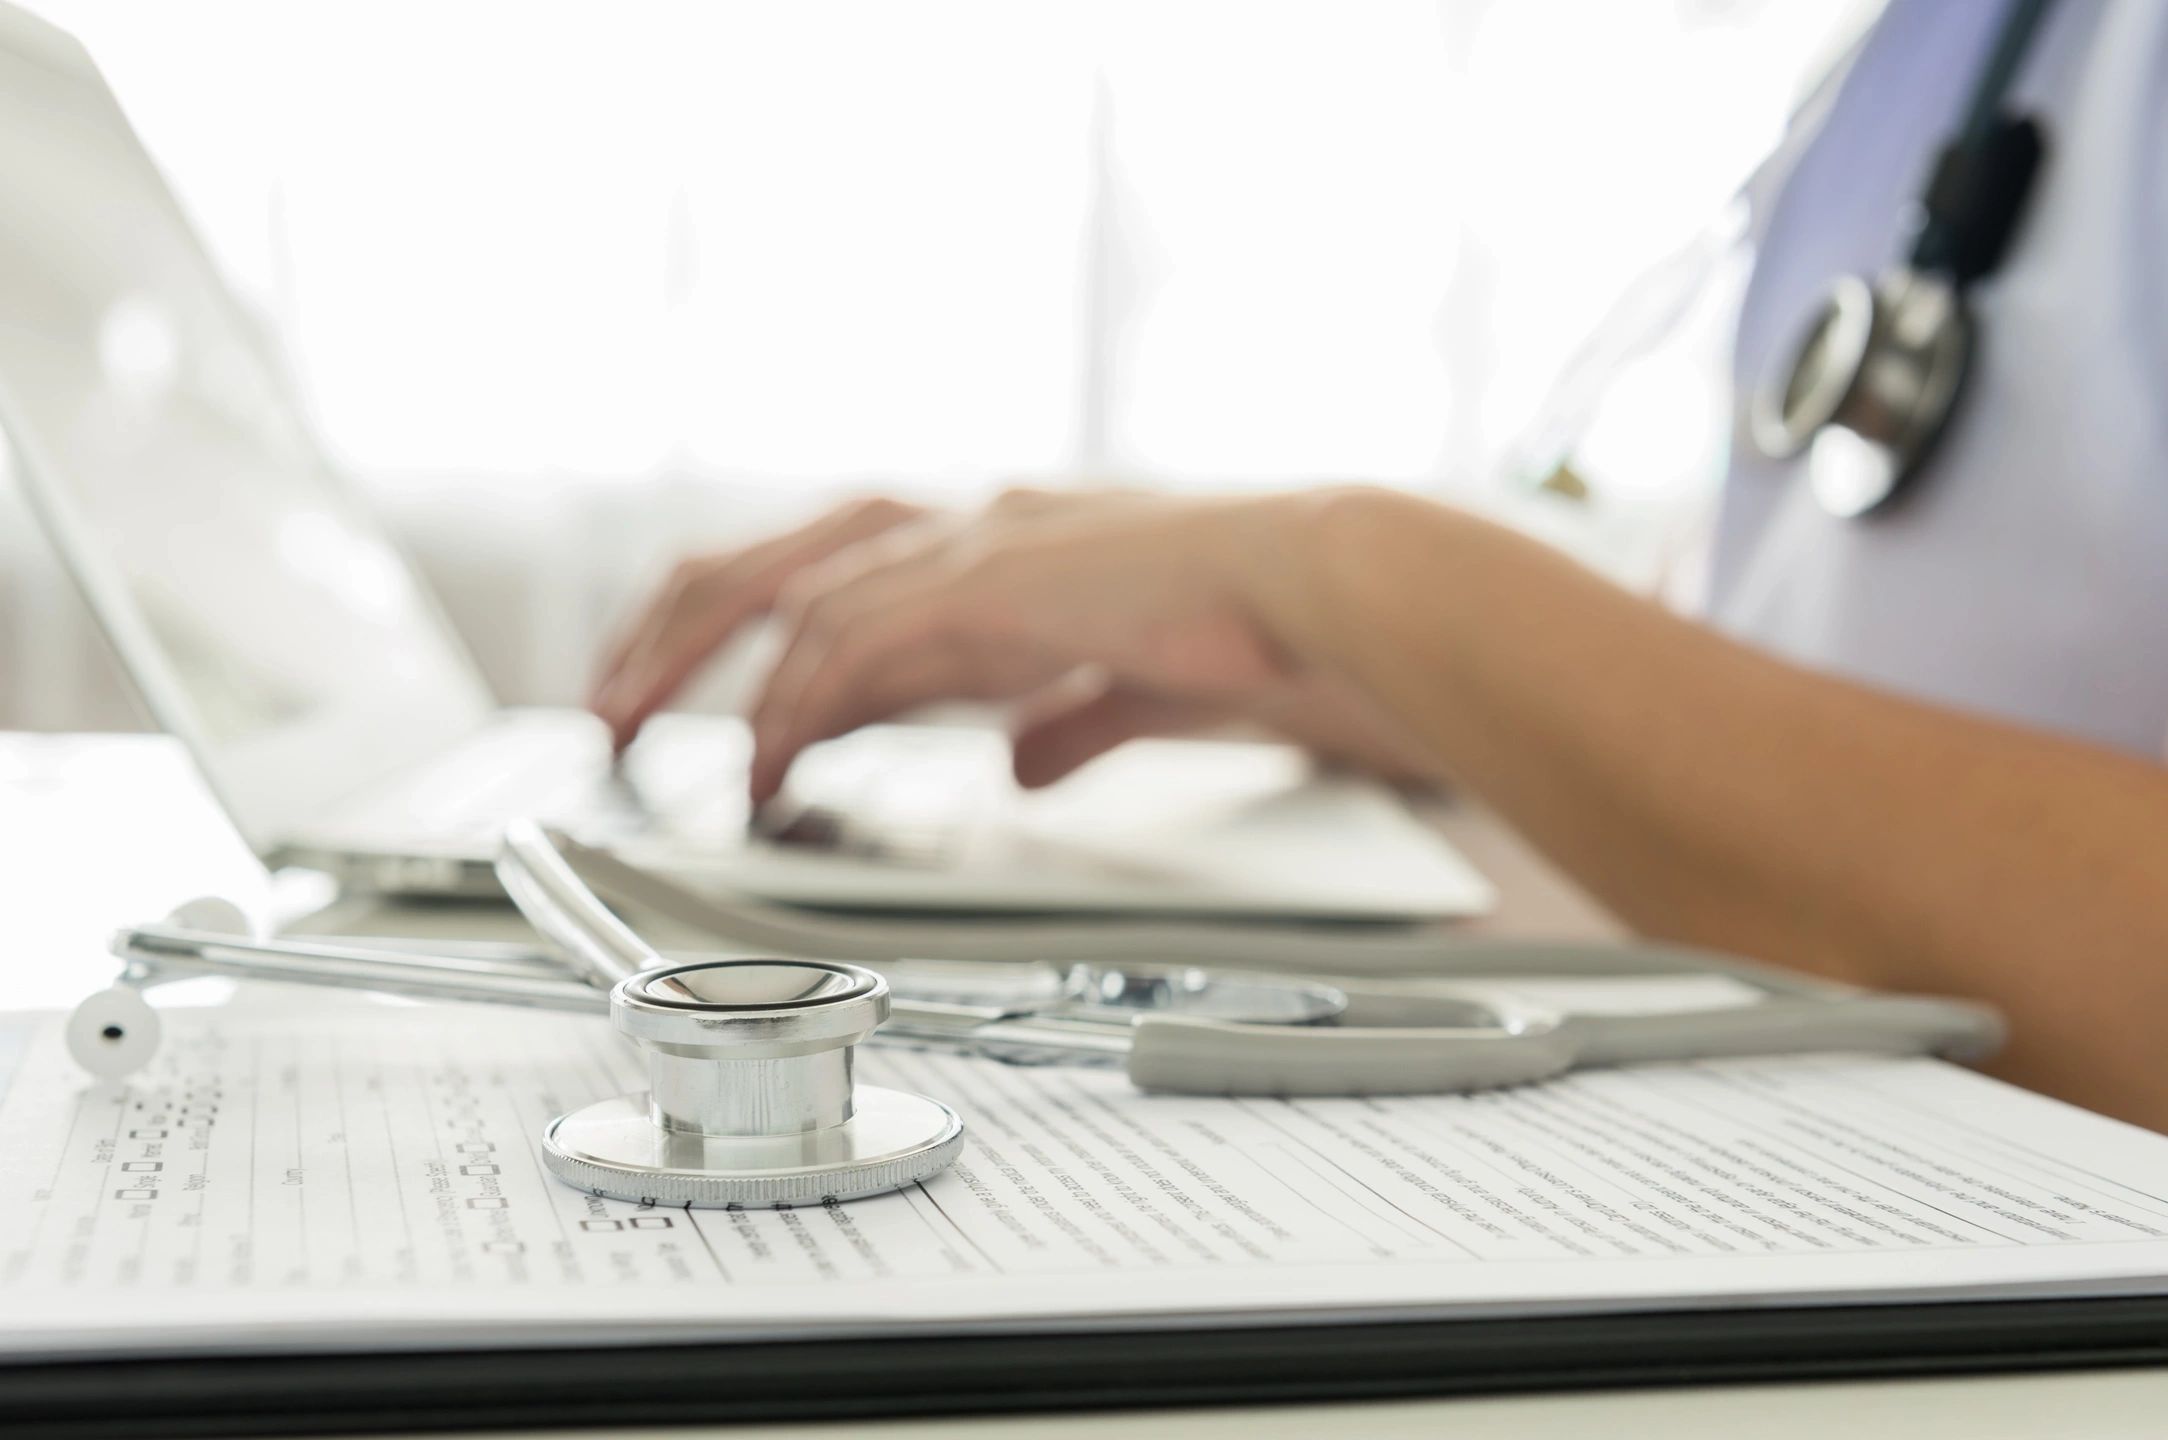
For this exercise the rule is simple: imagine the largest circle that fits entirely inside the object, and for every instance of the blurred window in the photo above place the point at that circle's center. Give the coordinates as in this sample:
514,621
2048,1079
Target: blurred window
945,240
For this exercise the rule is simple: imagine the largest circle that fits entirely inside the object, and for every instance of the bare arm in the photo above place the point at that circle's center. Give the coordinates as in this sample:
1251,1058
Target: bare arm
1705,791
1712,794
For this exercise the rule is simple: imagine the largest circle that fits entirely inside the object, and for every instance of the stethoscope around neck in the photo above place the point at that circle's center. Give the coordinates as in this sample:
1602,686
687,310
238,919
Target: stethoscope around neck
1865,394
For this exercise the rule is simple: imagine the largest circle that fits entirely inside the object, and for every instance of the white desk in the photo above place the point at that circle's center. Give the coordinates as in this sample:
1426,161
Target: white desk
97,831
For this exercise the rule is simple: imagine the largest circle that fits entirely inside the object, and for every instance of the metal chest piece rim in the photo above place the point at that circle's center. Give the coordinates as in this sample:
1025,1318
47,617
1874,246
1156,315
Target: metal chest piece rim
751,1101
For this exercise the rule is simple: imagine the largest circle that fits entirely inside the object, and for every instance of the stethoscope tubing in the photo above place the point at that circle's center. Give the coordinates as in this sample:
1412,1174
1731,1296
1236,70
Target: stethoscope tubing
1174,1053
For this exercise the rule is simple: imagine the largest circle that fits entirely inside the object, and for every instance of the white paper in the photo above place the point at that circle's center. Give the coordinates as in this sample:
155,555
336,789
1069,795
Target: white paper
374,1173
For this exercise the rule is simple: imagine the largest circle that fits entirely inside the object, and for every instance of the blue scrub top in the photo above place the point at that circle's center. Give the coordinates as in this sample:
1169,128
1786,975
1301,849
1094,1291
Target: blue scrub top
2026,573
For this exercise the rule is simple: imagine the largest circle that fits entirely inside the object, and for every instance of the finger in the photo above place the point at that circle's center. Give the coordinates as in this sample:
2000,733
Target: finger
692,619
705,602
877,691
1051,746
873,653
822,612
839,673
883,691
765,566
633,637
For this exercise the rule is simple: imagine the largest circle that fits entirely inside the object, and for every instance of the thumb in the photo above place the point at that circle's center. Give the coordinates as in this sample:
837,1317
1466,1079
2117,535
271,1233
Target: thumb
1049,746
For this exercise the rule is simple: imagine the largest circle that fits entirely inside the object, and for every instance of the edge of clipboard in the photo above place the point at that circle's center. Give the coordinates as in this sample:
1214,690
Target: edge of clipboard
830,1379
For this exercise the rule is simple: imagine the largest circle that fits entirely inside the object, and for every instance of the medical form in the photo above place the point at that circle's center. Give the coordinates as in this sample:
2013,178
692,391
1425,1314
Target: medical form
305,1184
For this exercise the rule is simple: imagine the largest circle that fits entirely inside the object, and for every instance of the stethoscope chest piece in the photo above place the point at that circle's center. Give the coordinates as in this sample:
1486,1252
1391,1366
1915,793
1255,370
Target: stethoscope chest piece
1868,389
751,1101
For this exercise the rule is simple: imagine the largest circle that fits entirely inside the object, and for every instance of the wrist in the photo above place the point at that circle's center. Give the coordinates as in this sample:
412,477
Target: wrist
1322,568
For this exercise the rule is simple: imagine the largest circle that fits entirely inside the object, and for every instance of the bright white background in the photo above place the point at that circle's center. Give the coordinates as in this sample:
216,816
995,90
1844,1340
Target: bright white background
572,286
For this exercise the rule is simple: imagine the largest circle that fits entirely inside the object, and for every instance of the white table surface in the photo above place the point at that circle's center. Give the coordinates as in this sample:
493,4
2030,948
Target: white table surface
96,831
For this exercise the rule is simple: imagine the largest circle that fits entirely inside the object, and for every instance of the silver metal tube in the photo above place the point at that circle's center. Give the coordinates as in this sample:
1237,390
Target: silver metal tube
159,954
156,955
511,957
1023,1039
566,913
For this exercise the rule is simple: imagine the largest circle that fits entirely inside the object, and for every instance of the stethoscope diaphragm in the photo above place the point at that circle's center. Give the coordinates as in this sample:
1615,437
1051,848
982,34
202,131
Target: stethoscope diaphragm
1868,389
751,1101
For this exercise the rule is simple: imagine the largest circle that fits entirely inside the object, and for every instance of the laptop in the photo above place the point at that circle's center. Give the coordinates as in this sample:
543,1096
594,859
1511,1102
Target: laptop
270,622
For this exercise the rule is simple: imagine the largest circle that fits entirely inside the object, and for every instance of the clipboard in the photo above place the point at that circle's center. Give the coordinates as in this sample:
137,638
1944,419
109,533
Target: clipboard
892,1376
1337,1248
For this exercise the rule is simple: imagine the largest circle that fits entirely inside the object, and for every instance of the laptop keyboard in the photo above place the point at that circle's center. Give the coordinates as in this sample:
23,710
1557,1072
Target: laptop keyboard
827,830
466,796
898,797
894,797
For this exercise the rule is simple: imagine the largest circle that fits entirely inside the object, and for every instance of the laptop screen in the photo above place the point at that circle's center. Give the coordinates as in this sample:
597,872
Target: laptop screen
266,617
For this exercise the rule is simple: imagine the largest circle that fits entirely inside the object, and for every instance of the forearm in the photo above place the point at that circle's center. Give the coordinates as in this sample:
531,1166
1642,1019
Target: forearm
1712,794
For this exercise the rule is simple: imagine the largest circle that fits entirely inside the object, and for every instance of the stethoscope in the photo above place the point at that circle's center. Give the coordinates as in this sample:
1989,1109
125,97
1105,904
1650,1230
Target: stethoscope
751,1097
1870,387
